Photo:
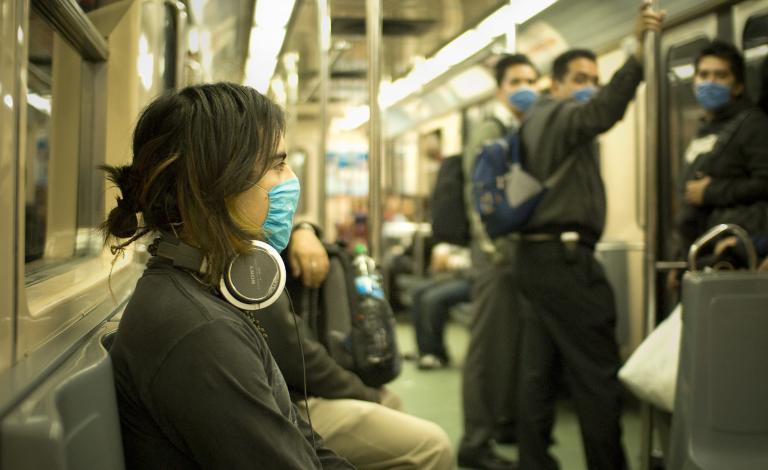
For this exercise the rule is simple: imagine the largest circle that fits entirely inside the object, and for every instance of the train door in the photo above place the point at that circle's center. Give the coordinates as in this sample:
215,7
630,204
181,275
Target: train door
679,121
750,27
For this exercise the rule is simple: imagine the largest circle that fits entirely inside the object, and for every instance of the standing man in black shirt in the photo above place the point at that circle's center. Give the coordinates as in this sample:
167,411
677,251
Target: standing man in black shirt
572,319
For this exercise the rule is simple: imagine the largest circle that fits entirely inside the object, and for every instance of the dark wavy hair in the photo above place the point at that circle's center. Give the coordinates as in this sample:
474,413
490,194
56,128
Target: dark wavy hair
562,62
511,60
727,52
193,151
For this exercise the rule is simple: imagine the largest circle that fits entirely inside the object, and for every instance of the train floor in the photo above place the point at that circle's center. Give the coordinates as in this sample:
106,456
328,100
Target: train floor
436,395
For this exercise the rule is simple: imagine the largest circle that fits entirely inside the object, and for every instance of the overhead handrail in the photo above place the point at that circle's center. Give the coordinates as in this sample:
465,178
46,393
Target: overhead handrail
713,234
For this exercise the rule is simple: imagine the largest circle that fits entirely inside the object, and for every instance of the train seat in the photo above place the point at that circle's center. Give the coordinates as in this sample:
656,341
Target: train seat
721,411
70,421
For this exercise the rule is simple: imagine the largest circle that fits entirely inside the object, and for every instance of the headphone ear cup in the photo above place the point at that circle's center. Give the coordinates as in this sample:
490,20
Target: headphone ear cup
254,280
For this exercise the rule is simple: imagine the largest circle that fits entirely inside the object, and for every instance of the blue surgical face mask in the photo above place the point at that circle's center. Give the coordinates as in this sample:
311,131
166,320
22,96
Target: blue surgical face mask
283,199
584,94
712,96
523,98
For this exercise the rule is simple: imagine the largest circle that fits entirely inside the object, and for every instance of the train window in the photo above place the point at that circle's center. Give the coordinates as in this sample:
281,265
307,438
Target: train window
755,42
53,167
159,28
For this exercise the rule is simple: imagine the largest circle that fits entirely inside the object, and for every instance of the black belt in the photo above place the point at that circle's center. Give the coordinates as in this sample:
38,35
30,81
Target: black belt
568,237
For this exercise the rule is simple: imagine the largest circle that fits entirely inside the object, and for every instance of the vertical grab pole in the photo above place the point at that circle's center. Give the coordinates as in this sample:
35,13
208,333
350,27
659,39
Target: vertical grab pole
652,81
373,33
324,42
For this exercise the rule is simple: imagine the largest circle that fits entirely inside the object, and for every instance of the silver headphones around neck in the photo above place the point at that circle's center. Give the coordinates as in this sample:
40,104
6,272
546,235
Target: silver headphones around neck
251,281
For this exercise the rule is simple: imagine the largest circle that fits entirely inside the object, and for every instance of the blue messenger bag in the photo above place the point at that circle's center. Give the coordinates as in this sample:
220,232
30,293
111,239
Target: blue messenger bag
504,193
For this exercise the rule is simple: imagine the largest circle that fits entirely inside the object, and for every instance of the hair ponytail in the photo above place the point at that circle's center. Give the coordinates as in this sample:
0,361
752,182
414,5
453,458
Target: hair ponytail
122,221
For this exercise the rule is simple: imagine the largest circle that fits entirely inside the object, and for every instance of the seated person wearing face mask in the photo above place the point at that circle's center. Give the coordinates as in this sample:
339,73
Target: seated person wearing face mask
725,179
196,384
363,424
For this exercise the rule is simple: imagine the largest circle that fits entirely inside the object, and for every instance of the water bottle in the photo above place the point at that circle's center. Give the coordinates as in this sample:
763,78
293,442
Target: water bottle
367,280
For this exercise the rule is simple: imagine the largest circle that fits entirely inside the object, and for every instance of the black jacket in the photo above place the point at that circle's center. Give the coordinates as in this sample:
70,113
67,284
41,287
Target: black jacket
198,388
325,377
555,131
738,166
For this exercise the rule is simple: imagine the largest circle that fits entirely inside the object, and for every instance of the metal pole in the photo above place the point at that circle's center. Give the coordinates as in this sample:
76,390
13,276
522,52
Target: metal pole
324,41
652,83
373,33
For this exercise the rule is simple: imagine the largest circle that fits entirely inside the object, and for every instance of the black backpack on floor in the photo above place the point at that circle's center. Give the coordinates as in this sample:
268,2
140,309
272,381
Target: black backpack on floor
449,213
358,330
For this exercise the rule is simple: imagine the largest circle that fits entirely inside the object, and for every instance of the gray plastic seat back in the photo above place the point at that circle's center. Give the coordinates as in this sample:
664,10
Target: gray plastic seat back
70,421
721,405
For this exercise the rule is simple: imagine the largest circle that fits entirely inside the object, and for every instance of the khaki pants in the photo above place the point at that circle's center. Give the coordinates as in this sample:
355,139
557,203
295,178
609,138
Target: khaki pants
374,436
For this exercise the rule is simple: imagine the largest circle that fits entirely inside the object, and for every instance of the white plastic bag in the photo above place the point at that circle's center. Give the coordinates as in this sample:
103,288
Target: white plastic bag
651,371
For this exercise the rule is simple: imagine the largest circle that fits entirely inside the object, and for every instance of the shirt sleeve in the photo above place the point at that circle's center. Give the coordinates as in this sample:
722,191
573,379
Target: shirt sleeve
215,395
581,123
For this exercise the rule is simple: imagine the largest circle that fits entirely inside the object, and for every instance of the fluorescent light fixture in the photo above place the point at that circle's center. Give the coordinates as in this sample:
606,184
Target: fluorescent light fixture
754,53
498,22
145,63
197,7
273,13
258,72
355,117
427,70
193,39
684,72
266,41
471,83
39,103
463,47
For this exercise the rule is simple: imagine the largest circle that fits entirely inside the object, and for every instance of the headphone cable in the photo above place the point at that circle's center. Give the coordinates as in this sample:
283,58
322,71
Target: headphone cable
303,367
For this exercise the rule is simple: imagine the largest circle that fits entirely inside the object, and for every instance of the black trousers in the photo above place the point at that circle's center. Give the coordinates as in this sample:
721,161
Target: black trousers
489,377
570,327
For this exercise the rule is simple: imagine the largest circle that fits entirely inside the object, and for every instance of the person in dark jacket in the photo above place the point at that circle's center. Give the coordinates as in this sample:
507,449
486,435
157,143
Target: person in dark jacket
726,174
571,325
363,424
196,384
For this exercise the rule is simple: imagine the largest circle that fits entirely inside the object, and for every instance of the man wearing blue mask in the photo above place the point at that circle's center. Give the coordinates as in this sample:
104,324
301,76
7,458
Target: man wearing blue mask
570,326
725,177
490,367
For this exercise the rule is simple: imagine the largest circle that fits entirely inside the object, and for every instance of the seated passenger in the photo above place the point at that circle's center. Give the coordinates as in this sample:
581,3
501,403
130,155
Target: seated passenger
196,384
362,424
726,178
432,302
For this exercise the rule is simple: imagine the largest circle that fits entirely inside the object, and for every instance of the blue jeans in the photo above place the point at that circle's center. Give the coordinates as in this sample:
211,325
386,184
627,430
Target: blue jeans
431,305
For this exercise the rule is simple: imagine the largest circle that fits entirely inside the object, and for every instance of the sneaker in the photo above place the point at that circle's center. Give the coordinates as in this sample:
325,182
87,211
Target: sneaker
430,361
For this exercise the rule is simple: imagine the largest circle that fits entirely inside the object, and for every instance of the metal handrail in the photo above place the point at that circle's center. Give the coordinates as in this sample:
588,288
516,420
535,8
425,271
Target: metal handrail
68,19
713,234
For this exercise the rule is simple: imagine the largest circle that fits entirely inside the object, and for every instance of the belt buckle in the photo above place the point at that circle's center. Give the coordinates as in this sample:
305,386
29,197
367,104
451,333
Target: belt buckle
569,237
570,241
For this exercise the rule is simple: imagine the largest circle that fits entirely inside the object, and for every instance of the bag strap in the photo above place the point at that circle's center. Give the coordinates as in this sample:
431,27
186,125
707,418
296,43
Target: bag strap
724,138
730,130
555,177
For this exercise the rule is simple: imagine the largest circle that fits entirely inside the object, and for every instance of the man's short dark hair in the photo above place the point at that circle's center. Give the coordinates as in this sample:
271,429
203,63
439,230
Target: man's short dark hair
511,60
560,67
727,52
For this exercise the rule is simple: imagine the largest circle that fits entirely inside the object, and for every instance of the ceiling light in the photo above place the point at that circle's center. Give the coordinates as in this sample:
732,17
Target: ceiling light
273,13
39,103
463,47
